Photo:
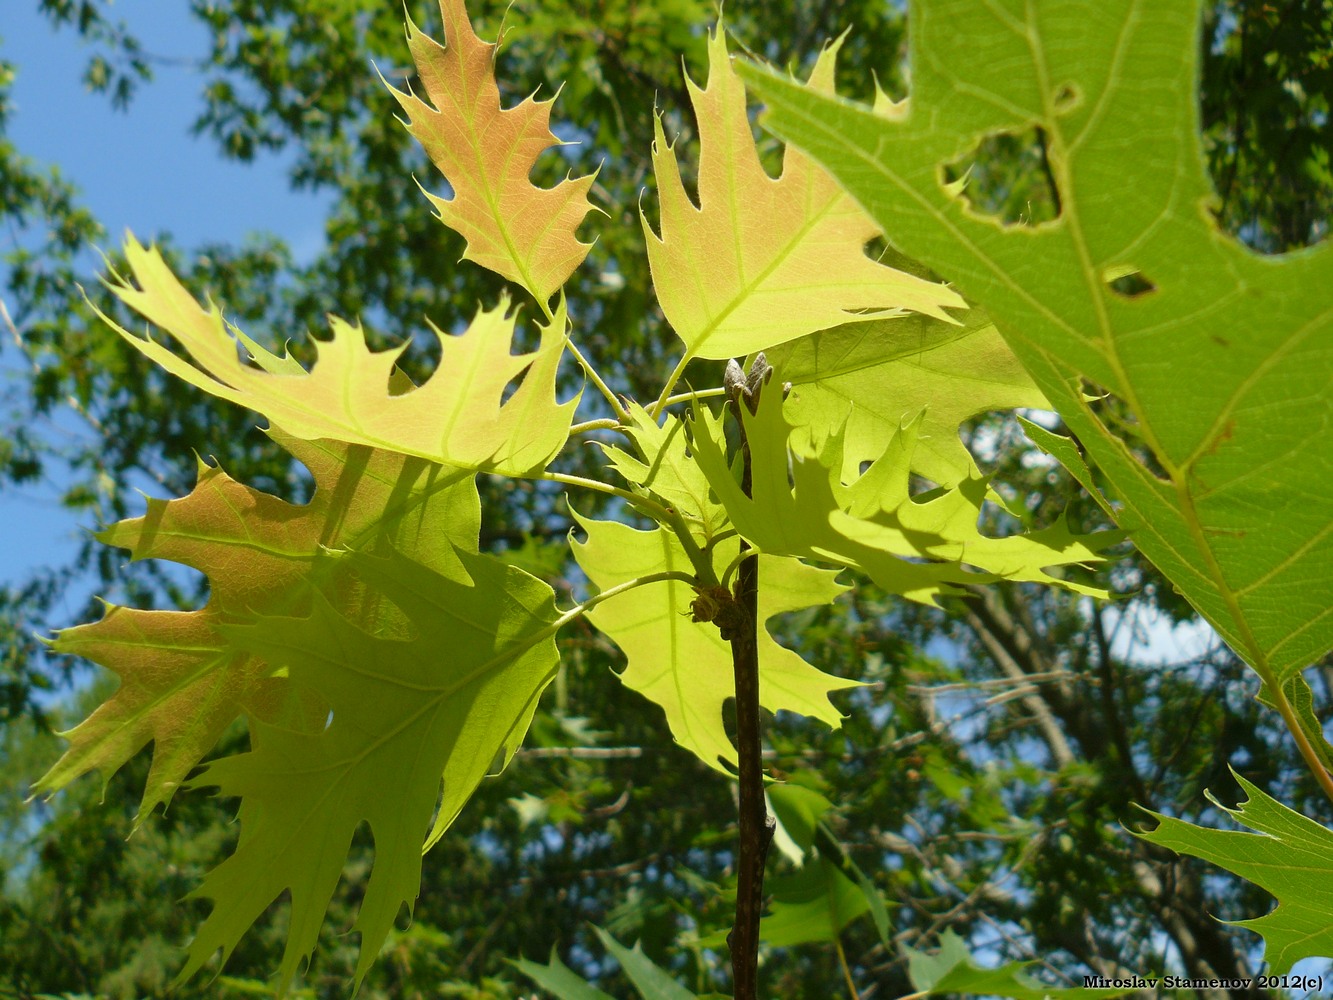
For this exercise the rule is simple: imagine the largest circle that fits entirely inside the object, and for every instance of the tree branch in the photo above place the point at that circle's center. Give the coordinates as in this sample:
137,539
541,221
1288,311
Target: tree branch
756,826
983,614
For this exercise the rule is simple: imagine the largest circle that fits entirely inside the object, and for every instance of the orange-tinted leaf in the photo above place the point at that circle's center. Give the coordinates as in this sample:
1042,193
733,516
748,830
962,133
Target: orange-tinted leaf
181,682
486,153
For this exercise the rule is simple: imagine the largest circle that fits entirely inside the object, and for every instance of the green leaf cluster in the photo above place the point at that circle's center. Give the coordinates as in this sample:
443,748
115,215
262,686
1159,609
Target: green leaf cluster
383,664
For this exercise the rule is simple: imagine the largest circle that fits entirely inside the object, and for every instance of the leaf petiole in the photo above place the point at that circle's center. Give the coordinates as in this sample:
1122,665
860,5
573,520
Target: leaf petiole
703,565
665,398
600,424
735,564
617,406
621,588
693,394
651,507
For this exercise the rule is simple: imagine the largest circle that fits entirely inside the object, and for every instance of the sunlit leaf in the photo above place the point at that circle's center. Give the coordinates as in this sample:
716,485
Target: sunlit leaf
871,378
415,721
486,153
685,666
559,980
921,547
760,261
182,682
1222,359
352,394
1289,855
951,971
652,981
665,469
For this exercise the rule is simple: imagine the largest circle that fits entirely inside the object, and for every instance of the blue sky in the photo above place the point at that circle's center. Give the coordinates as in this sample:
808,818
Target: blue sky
139,169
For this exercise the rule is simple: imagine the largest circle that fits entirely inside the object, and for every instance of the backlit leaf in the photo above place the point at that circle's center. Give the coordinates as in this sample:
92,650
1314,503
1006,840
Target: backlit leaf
824,902
377,659
181,681
1289,855
920,547
455,418
652,981
486,153
686,667
665,469
818,900
760,261
413,719
874,377
951,971
558,979
812,904
1301,699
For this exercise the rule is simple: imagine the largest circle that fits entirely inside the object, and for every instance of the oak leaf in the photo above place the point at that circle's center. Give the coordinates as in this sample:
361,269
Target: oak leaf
381,663
1216,360
664,469
1289,855
486,153
918,546
352,394
182,682
415,721
871,378
761,260
686,667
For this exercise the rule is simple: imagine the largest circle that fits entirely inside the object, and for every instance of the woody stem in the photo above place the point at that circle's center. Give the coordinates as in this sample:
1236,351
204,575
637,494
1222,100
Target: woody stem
756,826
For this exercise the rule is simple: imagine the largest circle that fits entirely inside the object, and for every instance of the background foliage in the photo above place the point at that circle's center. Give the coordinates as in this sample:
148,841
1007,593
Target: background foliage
982,780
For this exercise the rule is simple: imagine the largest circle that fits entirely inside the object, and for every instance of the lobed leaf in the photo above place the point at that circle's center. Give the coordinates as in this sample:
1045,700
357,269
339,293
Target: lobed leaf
413,719
652,981
686,667
817,901
1288,855
352,394
950,971
921,547
558,979
871,378
822,904
666,470
376,656
486,153
182,682
1223,358
760,261
811,905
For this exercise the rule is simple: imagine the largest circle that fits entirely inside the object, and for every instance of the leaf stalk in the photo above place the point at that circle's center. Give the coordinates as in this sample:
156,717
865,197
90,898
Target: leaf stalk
617,407
665,398
651,507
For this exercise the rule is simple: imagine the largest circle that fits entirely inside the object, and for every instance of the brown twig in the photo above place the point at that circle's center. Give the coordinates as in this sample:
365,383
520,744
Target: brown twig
756,826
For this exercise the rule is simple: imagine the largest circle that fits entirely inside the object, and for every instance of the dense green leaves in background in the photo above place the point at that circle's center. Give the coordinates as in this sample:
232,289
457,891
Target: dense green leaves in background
980,789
